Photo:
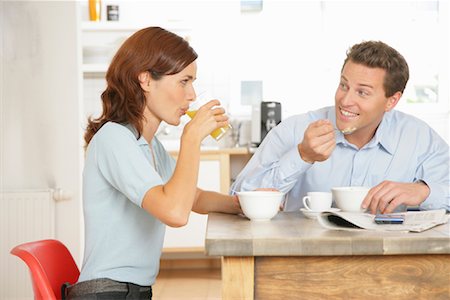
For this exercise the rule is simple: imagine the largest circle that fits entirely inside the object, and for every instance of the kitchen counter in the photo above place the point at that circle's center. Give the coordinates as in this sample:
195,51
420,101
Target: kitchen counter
292,255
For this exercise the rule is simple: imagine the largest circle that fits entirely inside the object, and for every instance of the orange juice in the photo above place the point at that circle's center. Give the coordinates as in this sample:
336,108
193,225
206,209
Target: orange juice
95,10
218,133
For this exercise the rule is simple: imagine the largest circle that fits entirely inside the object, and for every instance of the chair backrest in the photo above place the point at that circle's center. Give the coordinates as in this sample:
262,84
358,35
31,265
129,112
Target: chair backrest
50,264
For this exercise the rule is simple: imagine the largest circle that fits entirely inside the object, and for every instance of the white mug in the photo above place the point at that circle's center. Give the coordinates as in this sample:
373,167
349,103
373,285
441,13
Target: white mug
350,198
317,201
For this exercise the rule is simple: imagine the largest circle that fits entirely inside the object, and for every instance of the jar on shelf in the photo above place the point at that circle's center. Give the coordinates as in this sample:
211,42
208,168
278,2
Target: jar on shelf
112,12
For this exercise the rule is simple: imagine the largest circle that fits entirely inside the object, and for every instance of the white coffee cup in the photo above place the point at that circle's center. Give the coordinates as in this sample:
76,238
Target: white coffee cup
317,201
350,198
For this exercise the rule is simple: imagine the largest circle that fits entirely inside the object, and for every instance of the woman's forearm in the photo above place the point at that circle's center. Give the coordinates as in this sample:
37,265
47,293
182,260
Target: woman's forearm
208,201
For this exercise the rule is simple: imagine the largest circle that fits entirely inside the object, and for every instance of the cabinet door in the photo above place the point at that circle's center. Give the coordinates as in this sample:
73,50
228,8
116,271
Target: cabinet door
193,234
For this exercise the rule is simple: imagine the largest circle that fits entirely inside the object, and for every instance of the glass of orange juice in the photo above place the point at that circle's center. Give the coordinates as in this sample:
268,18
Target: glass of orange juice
216,134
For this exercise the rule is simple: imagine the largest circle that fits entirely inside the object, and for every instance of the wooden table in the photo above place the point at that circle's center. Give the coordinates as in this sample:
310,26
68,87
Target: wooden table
292,257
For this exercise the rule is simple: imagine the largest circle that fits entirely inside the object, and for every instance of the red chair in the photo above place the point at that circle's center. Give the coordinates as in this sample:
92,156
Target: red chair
50,265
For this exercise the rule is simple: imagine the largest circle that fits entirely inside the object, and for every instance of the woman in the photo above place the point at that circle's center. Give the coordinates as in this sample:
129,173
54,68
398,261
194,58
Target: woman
132,188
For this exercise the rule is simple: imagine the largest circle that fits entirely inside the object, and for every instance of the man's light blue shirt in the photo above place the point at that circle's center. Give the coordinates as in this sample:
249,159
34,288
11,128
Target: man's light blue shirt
403,149
123,242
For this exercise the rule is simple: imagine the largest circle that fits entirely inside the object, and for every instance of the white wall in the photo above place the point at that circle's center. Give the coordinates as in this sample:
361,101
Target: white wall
39,105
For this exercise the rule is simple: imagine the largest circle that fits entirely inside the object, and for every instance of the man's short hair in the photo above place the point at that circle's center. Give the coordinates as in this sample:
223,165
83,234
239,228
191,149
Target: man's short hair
376,54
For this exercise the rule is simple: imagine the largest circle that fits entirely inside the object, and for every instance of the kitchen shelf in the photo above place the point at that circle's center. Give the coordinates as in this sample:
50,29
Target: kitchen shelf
100,40
104,26
95,68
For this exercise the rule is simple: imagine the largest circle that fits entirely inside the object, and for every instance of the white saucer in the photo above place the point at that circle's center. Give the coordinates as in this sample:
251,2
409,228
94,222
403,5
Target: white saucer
313,214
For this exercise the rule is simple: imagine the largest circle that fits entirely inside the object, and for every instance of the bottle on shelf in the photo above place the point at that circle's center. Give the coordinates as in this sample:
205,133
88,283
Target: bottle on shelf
95,10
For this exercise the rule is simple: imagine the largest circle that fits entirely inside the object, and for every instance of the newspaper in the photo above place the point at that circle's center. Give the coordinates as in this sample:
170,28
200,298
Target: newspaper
415,221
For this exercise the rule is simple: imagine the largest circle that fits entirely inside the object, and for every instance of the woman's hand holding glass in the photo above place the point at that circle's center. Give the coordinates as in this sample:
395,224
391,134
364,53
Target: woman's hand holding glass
208,119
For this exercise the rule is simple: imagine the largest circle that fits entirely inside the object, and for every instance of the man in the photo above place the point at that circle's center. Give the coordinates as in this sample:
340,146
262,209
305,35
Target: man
361,141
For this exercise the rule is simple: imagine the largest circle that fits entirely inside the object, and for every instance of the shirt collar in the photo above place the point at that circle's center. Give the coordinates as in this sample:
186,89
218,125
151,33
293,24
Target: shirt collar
381,137
141,141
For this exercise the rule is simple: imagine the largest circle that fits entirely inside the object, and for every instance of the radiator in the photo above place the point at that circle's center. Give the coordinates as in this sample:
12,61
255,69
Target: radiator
25,215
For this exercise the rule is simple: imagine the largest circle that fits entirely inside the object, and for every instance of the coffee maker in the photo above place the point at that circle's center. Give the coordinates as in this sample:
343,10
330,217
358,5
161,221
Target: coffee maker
265,116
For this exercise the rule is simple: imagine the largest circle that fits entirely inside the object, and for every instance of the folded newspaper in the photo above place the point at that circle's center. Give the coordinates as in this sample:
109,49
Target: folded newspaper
415,221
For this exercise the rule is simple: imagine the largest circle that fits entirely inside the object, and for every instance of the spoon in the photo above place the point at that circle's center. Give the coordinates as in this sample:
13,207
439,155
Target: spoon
348,130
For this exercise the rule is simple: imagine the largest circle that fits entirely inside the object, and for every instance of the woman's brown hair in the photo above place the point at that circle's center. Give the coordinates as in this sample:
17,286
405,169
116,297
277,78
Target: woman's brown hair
152,49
